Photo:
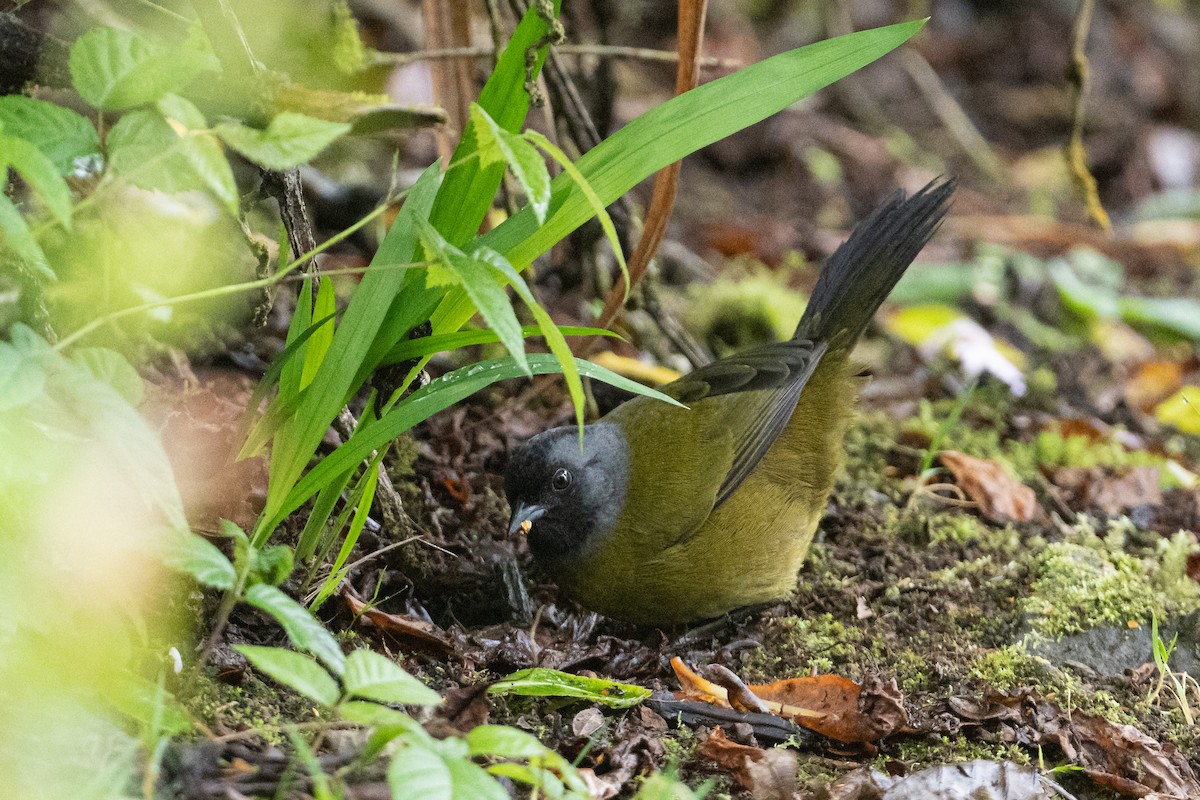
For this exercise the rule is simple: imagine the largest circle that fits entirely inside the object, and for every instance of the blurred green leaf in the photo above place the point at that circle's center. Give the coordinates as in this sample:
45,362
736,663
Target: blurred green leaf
115,69
21,377
295,670
289,140
112,368
375,677
145,149
419,772
501,740
541,682
1178,315
61,134
40,173
445,342
20,240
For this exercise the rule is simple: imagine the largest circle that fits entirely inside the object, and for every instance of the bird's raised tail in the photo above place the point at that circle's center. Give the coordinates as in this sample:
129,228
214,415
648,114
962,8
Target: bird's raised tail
860,275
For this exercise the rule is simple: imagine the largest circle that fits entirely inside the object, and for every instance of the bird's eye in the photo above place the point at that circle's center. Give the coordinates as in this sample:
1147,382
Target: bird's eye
561,480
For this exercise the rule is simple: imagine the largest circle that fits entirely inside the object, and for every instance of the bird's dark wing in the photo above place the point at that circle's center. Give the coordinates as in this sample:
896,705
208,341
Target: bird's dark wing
776,375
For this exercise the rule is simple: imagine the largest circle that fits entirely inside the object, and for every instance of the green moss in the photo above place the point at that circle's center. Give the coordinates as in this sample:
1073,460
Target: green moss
937,750
254,704
738,312
1077,588
819,642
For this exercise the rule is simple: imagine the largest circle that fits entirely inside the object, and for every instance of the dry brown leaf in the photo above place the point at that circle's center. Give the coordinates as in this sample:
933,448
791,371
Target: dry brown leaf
1113,491
1152,382
1001,497
414,631
838,707
766,774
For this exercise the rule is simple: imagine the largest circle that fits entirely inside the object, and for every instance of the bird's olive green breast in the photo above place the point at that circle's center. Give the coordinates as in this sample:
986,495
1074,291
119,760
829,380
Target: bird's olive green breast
671,557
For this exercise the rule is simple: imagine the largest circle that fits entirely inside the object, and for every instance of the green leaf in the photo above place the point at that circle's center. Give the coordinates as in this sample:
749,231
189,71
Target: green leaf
115,69
540,682
149,152
360,500
523,160
290,139
479,279
22,377
181,112
272,564
427,401
1179,315
554,337
503,741
321,789
445,342
193,555
376,677
472,782
687,123
40,173
62,135
324,308
374,715
420,772
112,368
305,631
20,240
296,670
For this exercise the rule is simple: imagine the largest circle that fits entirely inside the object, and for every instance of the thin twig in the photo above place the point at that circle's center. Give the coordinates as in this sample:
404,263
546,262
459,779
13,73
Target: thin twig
1079,77
598,50
662,200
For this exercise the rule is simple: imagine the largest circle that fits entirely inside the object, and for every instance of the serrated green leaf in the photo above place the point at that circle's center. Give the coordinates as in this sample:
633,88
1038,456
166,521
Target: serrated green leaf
62,135
193,555
483,285
115,69
445,342
375,677
541,682
295,670
273,564
145,149
523,160
20,240
305,631
37,170
289,140
176,109
420,772
112,368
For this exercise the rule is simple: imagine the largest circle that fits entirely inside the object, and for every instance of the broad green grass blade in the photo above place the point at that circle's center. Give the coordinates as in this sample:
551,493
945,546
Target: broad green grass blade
468,188
351,341
362,508
680,126
438,395
445,342
318,346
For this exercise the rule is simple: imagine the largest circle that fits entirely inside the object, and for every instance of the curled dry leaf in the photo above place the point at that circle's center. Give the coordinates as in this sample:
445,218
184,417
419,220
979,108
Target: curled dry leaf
765,774
415,632
831,705
1001,497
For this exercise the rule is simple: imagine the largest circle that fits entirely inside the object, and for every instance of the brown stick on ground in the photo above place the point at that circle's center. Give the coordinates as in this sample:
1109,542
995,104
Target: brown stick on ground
691,39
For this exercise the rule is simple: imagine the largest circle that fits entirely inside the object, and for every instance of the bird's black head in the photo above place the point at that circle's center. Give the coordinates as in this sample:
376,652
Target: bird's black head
566,499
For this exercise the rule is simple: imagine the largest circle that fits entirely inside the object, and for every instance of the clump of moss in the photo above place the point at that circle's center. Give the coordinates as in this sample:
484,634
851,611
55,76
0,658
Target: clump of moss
1011,667
738,312
936,750
803,644
1052,449
1077,588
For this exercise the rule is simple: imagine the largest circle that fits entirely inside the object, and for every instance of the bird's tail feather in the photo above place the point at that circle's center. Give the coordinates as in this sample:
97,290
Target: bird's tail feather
860,275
